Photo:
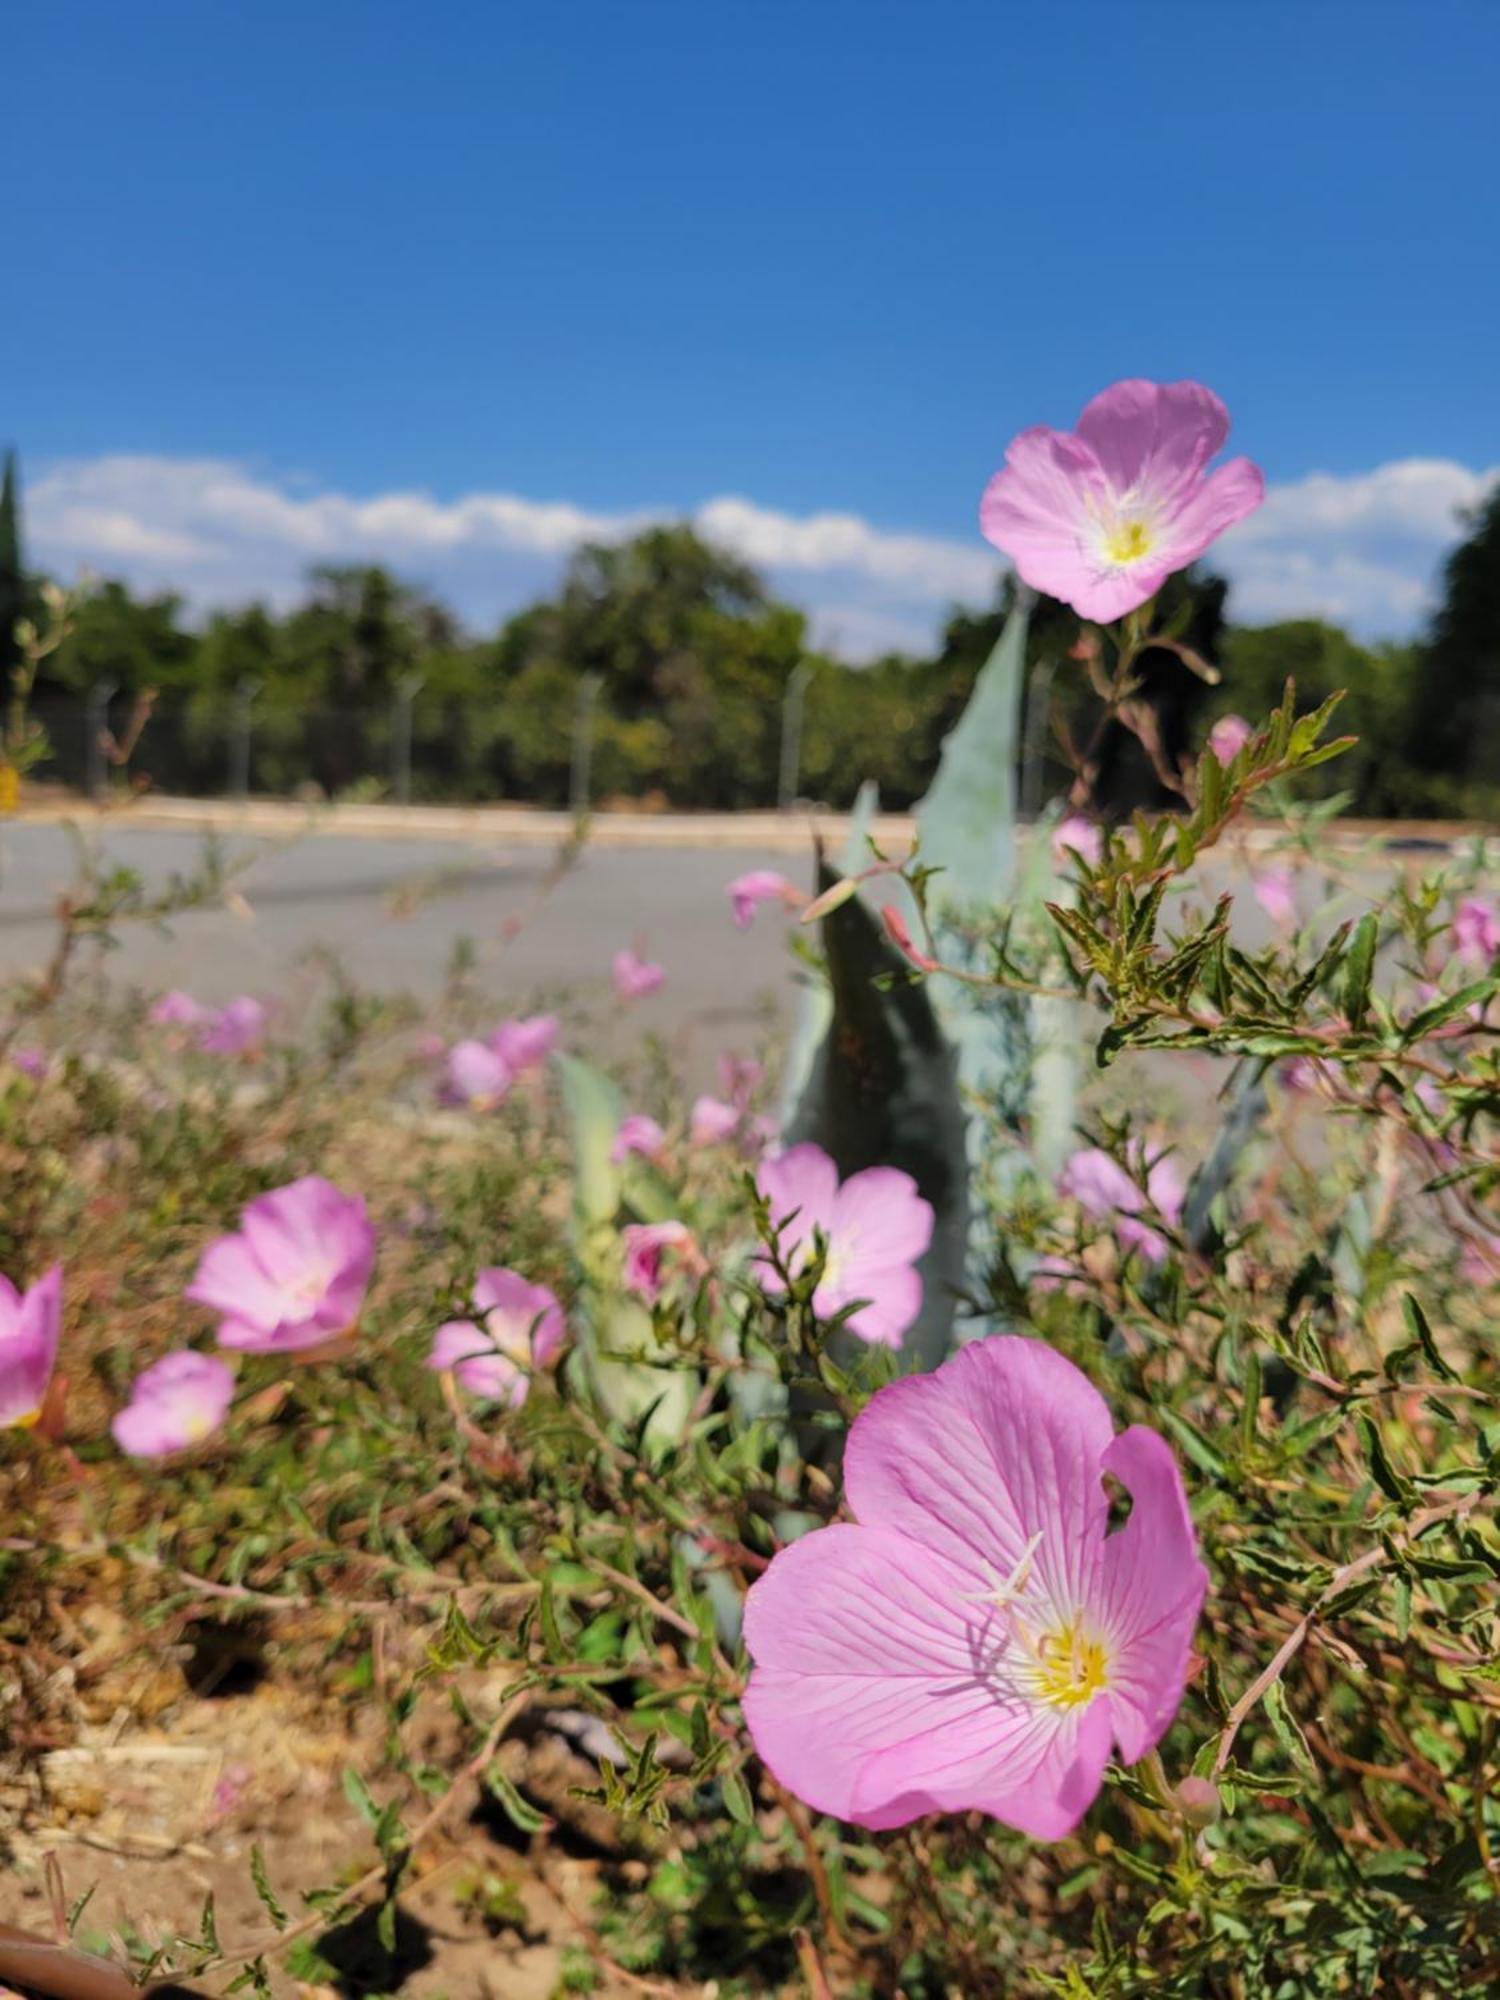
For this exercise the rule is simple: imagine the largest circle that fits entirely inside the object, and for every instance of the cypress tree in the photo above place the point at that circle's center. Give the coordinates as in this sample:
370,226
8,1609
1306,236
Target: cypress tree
12,580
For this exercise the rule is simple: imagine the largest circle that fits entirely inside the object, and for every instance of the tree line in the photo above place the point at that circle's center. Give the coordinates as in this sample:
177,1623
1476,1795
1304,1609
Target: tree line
687,658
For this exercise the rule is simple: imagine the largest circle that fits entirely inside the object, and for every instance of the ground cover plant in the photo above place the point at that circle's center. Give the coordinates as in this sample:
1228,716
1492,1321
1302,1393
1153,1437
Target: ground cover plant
927,1517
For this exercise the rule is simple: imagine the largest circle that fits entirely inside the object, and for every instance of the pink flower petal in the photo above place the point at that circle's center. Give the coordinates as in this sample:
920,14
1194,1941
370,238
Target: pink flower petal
800,1187
295,1273
175,1404
523,1045
30,1330
1101,516
635,976
978,1640
712,1121
1000,1443
637,1134
871,1701
759,885
1154,435
1150,1592
1228,737
879,1220
476,1076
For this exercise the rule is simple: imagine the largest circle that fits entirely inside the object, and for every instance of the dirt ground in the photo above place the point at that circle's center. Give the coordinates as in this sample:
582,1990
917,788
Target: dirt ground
152,1813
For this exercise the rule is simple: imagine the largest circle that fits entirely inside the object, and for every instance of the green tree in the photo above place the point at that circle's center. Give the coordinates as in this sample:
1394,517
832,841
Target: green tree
1322,660
13,587
1452,714
692,656
133,642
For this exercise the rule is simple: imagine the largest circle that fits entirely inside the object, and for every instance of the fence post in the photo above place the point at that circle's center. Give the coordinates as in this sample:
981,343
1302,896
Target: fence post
793,704
96,722
1034,738
407,689
239,737
583,744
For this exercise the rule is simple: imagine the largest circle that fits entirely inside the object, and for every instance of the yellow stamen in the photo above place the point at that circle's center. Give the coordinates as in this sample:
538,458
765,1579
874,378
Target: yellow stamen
1127,541
1070,1667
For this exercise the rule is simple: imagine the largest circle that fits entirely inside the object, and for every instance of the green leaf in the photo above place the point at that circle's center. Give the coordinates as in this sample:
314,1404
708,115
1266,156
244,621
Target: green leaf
521,1813
357,1792
1359,966
552,1637
1250,1413
1195,1444
737,1802
263,1889
1288,1731
1441,1012
1387,1478
1421,1332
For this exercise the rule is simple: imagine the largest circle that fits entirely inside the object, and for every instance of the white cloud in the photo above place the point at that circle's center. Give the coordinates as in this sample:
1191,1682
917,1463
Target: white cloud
1361,548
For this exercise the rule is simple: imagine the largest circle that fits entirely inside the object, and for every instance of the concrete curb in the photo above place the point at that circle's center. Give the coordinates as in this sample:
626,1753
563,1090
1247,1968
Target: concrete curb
524,826
506,825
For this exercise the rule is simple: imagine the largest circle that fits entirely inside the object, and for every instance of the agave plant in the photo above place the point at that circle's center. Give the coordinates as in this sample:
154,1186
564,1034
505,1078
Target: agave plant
965,1088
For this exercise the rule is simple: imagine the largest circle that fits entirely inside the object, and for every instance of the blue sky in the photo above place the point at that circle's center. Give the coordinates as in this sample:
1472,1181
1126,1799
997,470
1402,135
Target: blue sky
822,258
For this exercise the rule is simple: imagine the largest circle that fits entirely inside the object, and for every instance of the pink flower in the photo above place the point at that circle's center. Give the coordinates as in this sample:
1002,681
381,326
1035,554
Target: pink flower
646,1258
519,1327
1103,1189
1476,930
712,1121
637,1134
1275,889
524,1045
177,1402
295,1273
1079,834
876,1226
177,1010
760,885
234,1030
738,1076
1228,737
1103,515
475,1076
30,1327
977,1638
635,976
1302,1076
1056,1274
29,1060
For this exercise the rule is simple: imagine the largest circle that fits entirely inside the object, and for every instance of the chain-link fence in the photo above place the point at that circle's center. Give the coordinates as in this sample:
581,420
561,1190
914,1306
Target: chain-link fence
721,753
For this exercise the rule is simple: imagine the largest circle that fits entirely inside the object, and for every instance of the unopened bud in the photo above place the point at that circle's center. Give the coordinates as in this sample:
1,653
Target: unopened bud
1198,1801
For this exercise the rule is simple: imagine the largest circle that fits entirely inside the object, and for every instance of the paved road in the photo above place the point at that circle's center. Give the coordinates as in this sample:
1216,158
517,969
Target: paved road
390,913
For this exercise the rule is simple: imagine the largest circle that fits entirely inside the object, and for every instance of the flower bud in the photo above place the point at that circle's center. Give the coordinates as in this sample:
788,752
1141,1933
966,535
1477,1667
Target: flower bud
1198,1801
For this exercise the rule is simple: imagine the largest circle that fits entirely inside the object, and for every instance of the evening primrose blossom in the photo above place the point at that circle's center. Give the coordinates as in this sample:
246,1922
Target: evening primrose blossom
295,1273
875,1227
30,1328
176,1403
977,1639
516,1327
1102,515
